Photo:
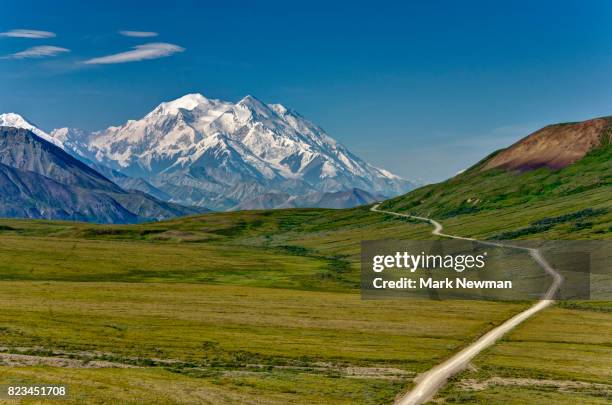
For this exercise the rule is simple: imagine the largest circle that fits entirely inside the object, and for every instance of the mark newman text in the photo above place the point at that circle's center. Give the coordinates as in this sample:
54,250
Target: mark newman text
459,282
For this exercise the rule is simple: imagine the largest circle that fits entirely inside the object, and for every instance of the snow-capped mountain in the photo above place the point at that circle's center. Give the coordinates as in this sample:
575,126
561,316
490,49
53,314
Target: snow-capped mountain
218,154
17,121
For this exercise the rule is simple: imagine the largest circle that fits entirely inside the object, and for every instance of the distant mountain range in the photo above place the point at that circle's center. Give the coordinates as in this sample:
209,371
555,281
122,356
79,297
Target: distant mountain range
338,199
255,156
40,180
221,155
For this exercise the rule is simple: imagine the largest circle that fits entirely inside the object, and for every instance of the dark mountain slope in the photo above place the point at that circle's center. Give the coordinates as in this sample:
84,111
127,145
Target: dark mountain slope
347,199
30,195
22,149
129,183
339,199
40,180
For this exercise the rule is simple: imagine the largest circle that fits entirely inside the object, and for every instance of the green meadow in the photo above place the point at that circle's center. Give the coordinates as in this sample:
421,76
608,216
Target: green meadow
259,305
264,306
561,355
271,343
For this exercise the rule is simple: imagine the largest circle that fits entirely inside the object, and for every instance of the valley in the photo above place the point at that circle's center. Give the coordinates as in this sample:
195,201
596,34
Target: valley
264,304
309,327
309,203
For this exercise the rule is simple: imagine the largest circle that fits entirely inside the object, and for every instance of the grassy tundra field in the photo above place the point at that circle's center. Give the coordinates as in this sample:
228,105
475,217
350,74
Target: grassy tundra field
563,355
253,306
275,345
264,307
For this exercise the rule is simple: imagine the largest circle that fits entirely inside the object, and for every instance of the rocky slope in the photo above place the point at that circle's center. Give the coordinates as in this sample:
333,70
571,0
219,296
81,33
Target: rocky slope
40,180
337,199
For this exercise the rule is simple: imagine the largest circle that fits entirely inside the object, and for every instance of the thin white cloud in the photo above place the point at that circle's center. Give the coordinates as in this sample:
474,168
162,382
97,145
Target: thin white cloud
140,52
37,52
34,34
139,34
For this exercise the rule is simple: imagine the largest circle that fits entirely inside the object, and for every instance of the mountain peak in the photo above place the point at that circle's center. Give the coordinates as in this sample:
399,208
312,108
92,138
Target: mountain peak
255,106
191,100
17,121
249,100
187,102
12,116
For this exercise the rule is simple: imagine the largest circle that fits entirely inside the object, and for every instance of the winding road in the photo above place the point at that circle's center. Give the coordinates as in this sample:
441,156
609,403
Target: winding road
431,381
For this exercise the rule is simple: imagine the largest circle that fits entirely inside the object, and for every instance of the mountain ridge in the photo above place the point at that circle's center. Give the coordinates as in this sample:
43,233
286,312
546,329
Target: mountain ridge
337,200
200,151
41,180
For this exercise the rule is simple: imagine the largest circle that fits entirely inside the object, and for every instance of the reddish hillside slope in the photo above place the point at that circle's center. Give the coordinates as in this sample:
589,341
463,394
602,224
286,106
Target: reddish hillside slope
554,146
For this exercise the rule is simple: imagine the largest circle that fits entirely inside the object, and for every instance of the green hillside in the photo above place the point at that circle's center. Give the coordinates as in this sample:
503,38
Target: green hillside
264,305
571,203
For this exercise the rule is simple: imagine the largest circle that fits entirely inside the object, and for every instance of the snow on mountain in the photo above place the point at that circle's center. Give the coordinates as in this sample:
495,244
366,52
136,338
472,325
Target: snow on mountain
17,121
155,142
71,139
40,180
208,152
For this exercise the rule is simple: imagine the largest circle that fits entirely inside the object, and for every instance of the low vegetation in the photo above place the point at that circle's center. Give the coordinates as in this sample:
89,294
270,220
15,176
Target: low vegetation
570,203
275,344
228,307
559,356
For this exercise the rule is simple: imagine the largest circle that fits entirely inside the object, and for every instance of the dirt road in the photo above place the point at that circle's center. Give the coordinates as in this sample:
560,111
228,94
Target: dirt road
431,381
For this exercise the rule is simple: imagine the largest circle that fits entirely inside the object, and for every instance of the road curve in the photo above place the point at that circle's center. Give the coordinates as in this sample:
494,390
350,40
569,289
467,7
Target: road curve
431,381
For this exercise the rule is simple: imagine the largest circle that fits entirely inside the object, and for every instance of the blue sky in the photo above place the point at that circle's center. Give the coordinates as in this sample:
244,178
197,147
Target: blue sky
423,89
